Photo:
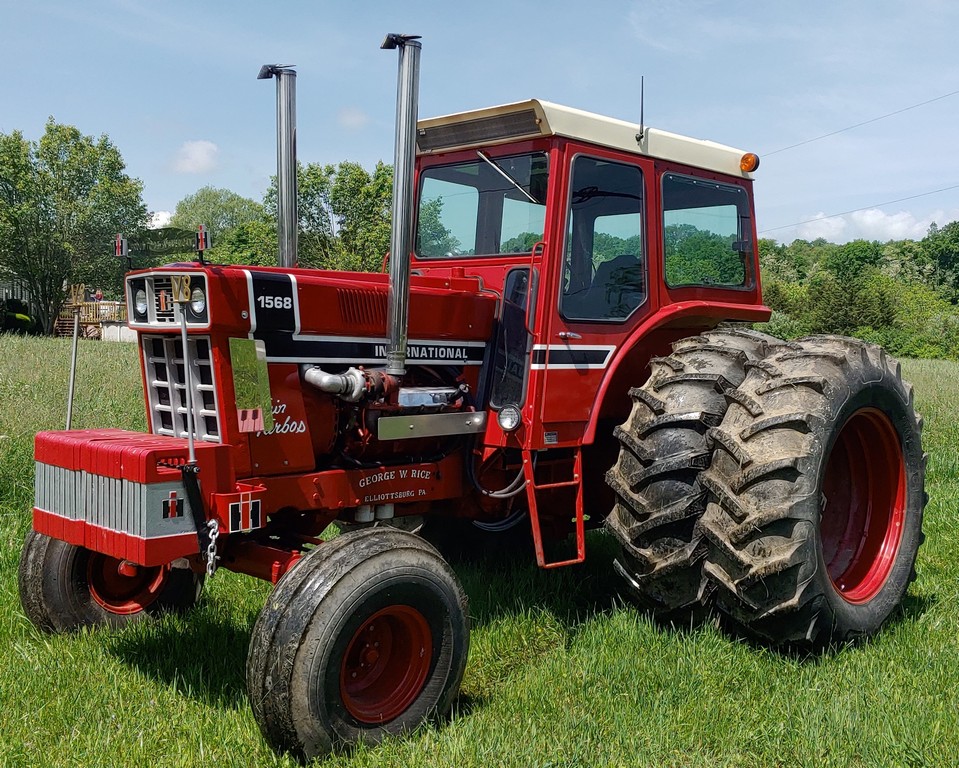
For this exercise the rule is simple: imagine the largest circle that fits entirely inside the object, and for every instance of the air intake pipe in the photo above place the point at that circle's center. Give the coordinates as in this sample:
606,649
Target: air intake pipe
401,239
286,212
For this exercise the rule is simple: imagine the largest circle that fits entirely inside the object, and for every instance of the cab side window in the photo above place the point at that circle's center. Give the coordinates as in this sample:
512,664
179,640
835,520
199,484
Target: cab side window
705,231
605,264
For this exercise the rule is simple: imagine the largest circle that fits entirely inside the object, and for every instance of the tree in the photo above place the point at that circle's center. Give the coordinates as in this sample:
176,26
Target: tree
317,244
61,201
694,256
220,210
433,238
362,203
253,242
940,248
524,241
344,215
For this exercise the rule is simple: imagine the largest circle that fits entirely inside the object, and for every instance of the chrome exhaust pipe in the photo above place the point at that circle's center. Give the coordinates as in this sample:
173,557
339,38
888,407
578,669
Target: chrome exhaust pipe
286,211
401,239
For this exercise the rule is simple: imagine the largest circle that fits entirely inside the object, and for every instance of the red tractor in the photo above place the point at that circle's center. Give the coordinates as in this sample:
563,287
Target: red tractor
545,262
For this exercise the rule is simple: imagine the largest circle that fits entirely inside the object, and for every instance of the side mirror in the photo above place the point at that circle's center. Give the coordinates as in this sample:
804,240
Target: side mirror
251,385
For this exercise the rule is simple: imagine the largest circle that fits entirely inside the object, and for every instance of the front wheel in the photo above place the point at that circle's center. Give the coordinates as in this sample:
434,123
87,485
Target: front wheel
367,636
64,588
817,494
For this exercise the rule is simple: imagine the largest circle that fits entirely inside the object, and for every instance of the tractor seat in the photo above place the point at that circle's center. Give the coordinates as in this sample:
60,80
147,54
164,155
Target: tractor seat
618,287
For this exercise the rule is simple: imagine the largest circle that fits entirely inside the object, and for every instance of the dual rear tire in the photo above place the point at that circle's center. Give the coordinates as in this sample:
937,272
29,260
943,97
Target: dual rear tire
811,492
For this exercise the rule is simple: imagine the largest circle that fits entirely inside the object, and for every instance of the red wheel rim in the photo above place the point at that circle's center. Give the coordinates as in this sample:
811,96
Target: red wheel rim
121,587
386,664
864,508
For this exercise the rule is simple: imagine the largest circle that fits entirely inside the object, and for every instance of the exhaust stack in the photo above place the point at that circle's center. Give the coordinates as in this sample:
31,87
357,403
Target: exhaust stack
286,212
401,239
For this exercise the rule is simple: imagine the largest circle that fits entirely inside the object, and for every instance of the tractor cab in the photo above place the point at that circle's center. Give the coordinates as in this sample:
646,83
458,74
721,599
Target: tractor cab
605,240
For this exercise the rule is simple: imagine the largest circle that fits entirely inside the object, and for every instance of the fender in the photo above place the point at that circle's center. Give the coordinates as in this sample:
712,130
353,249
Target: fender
673,314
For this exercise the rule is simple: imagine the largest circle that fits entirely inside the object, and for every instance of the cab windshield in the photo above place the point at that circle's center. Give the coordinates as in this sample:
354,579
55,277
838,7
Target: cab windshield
483,207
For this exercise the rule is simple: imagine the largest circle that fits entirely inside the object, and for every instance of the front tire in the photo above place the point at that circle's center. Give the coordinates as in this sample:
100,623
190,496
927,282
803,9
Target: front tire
64,588
817,485
367,636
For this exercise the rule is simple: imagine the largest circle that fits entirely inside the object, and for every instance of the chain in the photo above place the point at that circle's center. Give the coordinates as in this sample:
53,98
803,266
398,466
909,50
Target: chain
213,535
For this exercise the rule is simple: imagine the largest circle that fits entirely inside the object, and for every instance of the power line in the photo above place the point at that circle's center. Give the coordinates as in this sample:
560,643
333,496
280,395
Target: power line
856,210
858,125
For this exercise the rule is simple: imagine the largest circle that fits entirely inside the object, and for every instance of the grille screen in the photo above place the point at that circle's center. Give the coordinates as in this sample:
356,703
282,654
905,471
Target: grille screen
162,287
362,309
163,358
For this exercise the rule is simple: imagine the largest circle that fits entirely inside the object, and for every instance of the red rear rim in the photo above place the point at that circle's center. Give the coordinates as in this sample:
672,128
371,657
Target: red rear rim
122,587
864,509
386,664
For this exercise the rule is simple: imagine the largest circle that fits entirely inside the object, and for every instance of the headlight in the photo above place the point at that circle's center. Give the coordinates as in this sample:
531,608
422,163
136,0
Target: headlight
198,302
509,417
140,302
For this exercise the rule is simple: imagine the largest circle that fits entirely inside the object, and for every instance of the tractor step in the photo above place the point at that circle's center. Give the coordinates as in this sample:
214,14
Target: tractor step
532,488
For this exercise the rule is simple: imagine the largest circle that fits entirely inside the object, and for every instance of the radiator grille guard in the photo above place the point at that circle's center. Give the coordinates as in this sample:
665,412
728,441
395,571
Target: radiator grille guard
163,366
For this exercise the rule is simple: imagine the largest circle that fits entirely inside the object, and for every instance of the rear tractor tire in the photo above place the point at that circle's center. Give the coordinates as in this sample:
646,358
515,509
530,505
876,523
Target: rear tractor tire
64,588
366,636
663,449
817,480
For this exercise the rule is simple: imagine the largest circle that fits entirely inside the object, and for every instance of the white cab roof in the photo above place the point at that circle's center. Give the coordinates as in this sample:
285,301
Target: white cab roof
535,118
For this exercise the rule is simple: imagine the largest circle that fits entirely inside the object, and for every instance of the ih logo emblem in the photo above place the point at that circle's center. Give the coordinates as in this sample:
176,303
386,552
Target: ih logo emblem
172,507
245,514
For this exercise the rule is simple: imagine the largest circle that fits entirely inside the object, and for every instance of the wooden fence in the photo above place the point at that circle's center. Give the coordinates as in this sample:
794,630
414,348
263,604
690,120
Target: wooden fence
92,316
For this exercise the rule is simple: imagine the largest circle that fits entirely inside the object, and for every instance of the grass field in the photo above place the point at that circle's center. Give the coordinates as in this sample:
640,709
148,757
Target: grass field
561,672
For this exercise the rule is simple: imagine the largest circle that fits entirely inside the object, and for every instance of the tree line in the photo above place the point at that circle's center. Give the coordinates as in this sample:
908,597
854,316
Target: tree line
902,294
63,197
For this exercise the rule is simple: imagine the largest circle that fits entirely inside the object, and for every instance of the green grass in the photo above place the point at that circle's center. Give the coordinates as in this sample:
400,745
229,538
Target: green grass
561,672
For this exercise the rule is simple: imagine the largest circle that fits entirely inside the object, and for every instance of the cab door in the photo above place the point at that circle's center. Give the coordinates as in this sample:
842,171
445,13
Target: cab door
599,286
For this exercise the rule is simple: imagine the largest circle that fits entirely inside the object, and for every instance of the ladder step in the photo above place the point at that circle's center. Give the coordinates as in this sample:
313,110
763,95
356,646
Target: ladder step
532,488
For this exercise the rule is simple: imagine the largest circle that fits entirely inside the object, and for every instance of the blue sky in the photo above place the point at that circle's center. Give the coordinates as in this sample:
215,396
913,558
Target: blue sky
174,86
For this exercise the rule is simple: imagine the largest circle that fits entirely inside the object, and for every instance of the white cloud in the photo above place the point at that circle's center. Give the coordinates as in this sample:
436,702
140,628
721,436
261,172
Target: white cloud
352,118
873,224
828,228
196,157
160,219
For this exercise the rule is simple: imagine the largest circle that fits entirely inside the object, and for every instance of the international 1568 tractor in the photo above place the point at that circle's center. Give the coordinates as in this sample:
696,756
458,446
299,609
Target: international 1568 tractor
545,263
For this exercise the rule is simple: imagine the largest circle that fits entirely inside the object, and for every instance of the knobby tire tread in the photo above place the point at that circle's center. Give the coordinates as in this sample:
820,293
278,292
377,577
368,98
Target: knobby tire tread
762,520
664,447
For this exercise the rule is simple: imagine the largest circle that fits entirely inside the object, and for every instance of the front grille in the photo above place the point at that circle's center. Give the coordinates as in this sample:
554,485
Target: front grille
161,291
160,308
163,363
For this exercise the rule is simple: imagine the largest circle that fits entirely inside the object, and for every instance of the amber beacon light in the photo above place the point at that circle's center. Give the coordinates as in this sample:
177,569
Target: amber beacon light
749,162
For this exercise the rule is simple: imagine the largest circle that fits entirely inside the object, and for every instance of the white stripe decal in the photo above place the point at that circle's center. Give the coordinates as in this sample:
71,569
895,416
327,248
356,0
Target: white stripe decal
249,291
565,351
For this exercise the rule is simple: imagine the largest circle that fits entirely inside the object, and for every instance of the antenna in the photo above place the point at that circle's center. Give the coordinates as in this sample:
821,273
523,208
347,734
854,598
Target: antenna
642,104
